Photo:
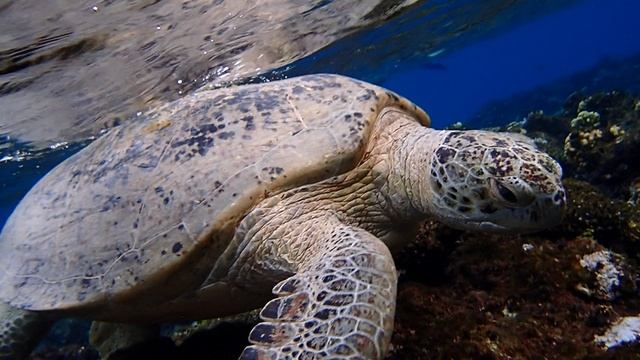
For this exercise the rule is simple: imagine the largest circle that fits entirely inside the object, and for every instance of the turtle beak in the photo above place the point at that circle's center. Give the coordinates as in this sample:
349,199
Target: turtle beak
469,224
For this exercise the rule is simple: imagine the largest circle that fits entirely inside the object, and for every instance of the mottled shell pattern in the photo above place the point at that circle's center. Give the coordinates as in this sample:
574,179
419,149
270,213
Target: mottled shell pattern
153,203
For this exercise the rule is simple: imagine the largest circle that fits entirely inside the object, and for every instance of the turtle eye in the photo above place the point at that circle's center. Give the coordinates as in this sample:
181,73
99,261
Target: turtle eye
505,193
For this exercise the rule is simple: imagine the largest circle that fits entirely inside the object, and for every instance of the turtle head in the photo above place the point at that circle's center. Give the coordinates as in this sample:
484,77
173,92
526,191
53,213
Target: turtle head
494,181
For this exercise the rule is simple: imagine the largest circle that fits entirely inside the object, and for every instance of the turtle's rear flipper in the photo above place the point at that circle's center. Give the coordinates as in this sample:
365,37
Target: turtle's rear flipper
20,331
340,304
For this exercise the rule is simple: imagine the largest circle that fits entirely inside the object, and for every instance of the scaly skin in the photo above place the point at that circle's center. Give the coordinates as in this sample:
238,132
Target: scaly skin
474,180
340,303
330,237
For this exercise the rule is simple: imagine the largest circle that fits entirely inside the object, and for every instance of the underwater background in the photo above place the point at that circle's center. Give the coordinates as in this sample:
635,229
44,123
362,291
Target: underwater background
566,73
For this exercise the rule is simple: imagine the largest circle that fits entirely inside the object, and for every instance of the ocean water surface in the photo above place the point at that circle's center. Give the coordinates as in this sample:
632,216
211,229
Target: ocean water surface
70,71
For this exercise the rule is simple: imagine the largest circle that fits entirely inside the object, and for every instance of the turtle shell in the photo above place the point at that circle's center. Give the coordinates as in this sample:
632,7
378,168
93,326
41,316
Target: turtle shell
149,207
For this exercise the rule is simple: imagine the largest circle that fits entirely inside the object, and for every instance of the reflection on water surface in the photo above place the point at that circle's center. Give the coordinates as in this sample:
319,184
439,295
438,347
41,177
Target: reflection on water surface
71,68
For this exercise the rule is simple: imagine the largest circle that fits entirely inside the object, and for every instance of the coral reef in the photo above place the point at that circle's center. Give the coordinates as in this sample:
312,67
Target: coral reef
612,222
611,275
500,297
595,137
625,330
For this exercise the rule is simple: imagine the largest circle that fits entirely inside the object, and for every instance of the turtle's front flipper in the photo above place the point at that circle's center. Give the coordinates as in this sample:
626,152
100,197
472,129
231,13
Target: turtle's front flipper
340,304
20,331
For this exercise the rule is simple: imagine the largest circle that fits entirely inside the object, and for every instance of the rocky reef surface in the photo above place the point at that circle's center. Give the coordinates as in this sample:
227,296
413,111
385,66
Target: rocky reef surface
569,292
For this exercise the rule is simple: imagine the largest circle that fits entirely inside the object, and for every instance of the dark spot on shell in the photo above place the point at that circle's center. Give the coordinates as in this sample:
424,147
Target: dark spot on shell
85,283
208,128
500,142
226,135
444,154
176,247
249,122
452,135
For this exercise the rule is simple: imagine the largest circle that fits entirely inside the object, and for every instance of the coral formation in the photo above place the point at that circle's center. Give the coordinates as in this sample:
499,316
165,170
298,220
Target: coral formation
613,222
595,137
625,330
610,272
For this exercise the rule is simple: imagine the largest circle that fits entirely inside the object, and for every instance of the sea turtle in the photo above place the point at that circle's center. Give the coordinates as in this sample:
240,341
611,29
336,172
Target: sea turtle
300,188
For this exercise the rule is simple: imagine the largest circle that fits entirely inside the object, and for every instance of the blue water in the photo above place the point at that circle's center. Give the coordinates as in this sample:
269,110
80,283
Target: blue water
453,86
